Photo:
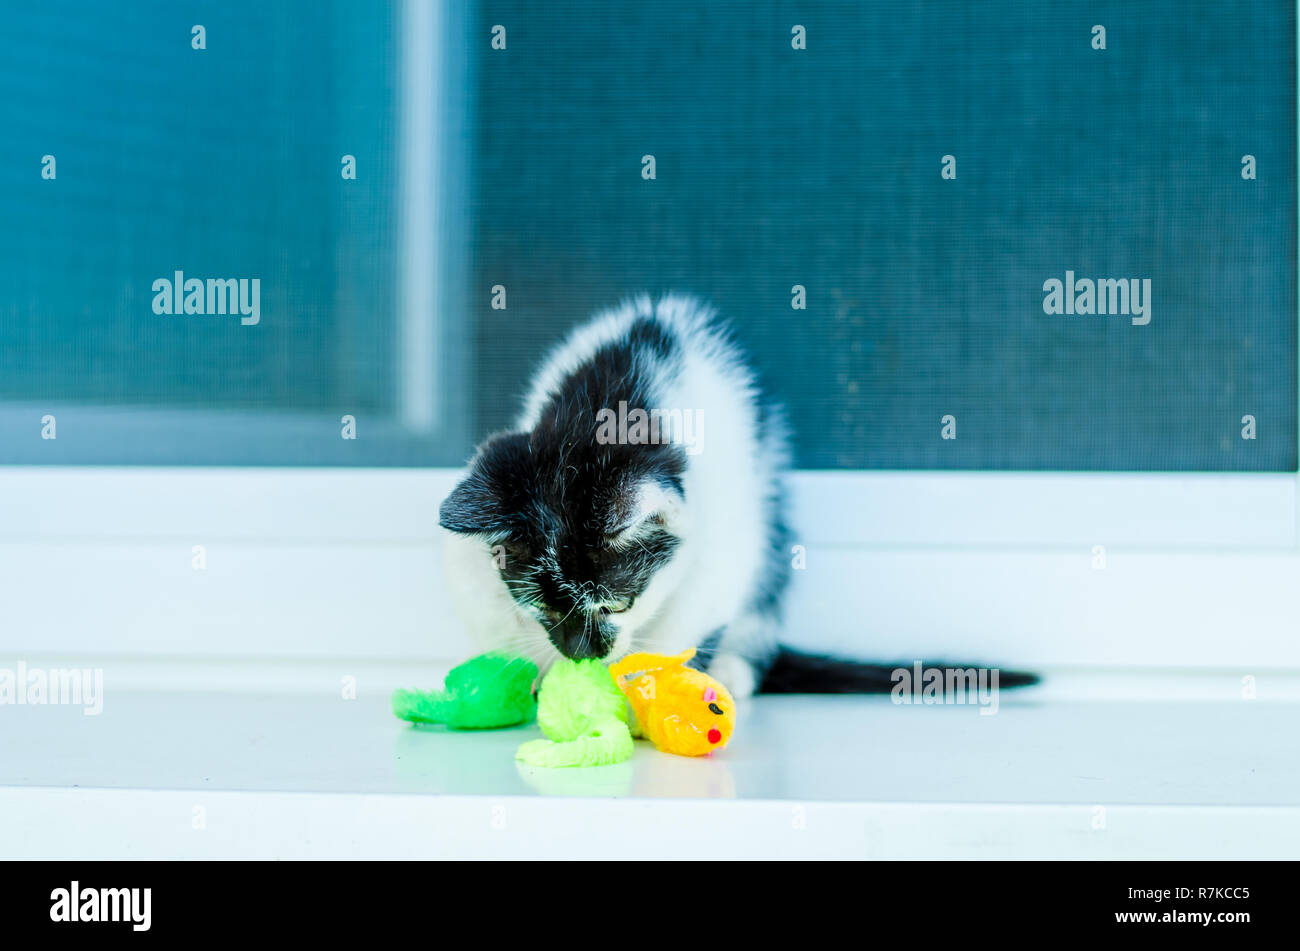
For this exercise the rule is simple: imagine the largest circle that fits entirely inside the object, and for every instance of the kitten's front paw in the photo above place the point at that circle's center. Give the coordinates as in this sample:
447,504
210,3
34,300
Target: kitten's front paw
735,673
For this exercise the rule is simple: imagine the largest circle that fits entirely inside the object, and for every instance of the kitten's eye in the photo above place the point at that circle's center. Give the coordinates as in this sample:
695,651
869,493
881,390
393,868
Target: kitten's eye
612,538
618,607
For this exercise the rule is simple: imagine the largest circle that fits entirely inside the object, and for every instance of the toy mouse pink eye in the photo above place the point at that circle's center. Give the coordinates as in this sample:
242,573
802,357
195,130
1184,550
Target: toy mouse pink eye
710,694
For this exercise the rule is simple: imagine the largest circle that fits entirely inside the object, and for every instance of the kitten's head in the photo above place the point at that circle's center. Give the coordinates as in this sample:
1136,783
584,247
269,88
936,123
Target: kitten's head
578,530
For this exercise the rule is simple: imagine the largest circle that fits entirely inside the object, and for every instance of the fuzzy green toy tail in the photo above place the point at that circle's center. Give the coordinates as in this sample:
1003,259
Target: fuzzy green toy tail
608,742
420,706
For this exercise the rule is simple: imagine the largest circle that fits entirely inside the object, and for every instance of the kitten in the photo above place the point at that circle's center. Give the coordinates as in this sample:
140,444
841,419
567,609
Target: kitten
638,504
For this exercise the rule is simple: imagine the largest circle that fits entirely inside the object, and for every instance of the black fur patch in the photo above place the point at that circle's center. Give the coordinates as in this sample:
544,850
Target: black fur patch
551,497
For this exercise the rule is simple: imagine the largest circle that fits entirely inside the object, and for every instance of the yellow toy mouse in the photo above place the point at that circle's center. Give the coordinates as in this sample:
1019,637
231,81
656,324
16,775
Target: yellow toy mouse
678,708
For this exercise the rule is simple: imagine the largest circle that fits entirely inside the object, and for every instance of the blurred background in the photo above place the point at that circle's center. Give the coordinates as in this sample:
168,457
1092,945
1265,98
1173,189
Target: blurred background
521,168
1099,506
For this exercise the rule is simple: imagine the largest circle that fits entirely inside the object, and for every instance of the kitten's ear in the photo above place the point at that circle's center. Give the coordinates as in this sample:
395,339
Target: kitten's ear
485,501
471,508
655,501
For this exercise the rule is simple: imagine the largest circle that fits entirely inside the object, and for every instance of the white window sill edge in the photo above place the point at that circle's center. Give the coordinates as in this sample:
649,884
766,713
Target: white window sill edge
199,760
95,824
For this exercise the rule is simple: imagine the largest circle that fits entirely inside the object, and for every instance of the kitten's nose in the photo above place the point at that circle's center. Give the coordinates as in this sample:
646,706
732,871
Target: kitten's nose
582,637
583,649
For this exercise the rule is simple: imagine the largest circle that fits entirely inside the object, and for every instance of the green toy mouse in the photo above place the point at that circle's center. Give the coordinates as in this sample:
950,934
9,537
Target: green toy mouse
484,693
584,716
579,708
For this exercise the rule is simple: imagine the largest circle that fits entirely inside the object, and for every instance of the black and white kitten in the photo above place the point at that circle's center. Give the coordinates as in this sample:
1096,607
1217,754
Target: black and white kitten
570,536
637,505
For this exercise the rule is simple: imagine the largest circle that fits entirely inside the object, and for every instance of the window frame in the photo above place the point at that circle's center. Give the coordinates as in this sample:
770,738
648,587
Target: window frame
325,562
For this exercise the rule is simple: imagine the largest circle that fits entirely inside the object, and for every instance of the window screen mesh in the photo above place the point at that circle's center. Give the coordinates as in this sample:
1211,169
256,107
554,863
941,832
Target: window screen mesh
774,167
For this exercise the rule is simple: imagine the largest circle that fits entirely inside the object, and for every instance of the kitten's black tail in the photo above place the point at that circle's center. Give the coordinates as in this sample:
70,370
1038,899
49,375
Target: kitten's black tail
794,671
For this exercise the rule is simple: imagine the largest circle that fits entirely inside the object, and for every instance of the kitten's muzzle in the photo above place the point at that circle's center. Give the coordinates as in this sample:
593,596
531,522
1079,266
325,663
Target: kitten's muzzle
582,637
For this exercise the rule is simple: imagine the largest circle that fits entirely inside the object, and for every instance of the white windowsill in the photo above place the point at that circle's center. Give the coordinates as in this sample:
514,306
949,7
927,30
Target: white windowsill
1090,765
1197,570
223,685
